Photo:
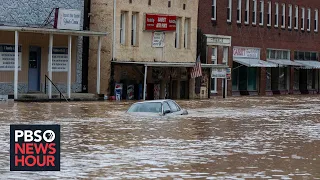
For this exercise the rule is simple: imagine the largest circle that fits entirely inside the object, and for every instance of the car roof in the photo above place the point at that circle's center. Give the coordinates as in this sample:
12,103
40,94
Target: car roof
154,101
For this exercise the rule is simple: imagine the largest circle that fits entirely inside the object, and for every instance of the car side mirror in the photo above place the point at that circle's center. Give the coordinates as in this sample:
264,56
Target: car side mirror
184,112
167,112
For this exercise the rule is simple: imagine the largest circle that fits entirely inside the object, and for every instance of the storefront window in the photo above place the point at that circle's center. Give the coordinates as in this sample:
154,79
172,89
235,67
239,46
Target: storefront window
235,76
310,79
252,79
296,79
282,78
268,85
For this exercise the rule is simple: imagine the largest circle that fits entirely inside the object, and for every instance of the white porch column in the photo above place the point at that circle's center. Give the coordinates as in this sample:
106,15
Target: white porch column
145,82
69,66
98,65
16,65
50,66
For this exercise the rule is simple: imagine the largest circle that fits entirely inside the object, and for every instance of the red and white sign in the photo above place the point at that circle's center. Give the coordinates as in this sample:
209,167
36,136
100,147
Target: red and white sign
243,52
160,22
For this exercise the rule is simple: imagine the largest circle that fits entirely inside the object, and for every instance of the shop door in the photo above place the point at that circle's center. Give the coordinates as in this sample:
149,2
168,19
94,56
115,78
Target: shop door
34,69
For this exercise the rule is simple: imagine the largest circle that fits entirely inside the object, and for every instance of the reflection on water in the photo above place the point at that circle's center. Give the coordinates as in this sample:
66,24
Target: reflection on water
236,138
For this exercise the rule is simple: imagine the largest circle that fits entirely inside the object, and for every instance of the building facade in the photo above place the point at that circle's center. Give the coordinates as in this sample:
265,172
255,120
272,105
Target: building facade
34,47
150,40
274,44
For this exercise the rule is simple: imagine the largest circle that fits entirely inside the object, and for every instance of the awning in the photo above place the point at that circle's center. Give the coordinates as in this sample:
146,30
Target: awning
52,31
309,64
282,62
255,63
170,64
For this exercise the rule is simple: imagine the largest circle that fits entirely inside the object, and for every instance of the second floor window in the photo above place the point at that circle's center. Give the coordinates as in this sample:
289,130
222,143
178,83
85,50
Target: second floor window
246,14
239,12
269,14
309,20
123,28
214,10
283,16
276,18
261,13
302,18
296,17
254,11
290,16
229,10
316,15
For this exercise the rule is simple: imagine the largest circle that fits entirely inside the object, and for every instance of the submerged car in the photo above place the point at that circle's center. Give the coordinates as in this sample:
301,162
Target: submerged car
157,107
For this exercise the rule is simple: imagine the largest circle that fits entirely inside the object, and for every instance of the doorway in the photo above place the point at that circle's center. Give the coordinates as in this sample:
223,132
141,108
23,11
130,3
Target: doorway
34,64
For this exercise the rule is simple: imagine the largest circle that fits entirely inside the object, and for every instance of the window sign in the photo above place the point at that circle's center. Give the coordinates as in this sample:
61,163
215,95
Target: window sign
60,59
7,58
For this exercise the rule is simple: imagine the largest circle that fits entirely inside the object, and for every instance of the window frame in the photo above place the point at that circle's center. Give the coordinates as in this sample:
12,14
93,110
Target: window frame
214,10
269,14
229,11
134,28
302,18
261,13
254,12
316,20
247,12
123,28
276,15
296,18
309,19
283,16
290,16
239,12
187,22
178,33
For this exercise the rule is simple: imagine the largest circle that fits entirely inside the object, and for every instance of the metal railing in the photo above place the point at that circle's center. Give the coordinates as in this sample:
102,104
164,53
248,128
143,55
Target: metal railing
45,88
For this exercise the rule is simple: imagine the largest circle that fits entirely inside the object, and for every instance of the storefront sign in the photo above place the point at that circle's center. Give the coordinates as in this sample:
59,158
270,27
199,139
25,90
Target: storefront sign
216,40
67,19
60,59
158,39
160,22
243,52
7,58
219,73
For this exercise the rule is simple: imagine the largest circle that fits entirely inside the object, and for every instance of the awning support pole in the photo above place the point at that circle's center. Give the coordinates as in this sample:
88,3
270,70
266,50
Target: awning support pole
98,65
69,65
16,65
50,65
145,82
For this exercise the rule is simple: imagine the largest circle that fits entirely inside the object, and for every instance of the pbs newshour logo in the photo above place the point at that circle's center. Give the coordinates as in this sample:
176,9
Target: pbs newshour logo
34,147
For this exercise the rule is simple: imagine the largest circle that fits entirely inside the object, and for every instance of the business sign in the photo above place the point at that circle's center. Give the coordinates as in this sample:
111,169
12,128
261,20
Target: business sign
158,39
7,58
219,73
243,52
218,40
160,22
67,19
60,59
228,73
34,147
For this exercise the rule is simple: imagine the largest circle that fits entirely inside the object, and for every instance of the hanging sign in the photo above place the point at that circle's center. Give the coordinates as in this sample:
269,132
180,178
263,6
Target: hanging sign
67,19
7,58
60,59
219,73
228,73
160,22
158,39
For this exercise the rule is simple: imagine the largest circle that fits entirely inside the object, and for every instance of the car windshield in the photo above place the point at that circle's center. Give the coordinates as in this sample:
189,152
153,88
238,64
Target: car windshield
152,107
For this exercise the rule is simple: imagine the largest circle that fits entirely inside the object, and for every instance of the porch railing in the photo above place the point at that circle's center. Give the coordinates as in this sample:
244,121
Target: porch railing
45,88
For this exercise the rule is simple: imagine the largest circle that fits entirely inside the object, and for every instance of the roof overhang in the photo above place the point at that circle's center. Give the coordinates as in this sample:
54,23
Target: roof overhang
254,62
309,64
282,62
169,64
52,31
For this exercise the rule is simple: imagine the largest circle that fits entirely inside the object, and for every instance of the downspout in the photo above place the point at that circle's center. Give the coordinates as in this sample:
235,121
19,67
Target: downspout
114,29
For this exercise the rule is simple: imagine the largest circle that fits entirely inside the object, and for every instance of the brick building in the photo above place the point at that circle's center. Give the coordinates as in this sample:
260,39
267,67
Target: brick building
274,44
132,57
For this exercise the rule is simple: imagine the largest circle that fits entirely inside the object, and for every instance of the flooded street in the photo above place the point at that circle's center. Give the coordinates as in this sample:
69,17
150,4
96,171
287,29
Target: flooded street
237,138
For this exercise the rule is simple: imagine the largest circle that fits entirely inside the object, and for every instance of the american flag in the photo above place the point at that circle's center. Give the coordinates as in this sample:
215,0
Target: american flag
196,70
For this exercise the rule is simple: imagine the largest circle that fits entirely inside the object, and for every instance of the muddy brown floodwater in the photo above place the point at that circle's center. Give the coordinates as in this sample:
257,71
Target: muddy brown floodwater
236,138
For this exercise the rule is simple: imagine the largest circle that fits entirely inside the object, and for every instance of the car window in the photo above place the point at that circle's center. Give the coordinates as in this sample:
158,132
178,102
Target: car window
146,107
173,106
166,107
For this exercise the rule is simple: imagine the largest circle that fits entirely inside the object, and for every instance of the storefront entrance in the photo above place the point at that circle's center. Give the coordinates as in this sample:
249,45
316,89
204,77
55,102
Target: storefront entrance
34,69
